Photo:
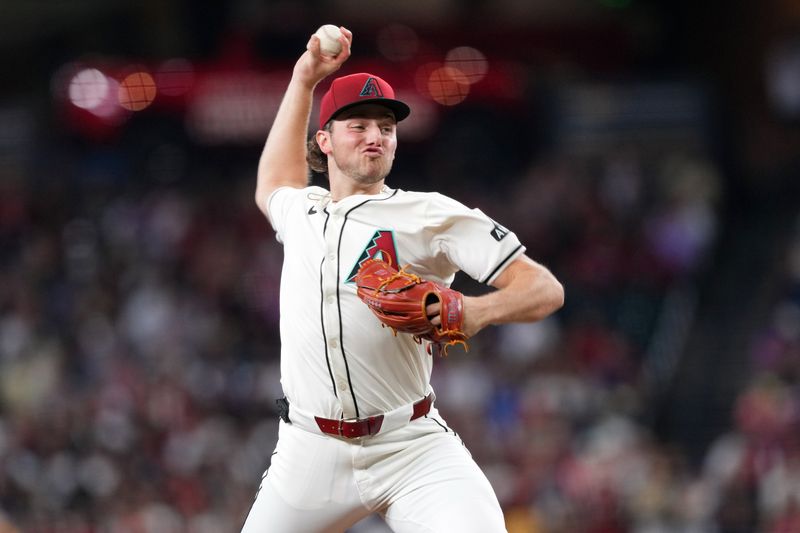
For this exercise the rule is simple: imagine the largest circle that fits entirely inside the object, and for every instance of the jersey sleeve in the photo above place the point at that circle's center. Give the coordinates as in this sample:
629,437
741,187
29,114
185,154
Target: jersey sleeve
471,241
283,202
278,206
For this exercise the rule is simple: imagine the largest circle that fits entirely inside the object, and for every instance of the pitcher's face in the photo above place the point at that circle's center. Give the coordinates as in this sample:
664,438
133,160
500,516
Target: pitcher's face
361,143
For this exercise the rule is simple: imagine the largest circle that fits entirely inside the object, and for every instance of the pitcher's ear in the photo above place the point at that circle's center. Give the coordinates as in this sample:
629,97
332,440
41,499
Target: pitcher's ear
324,141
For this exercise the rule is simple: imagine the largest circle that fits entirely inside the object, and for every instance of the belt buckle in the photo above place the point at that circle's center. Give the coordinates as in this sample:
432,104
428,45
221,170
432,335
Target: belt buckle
342,422
373,425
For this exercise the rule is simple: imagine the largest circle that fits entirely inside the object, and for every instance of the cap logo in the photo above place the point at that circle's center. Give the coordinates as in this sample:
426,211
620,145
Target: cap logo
371,89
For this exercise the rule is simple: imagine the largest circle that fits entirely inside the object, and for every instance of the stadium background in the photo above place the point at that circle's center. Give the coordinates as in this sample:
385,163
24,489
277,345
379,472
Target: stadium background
646,151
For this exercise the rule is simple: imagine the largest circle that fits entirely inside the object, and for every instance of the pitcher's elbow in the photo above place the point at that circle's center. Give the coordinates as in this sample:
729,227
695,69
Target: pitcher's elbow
558,295
259,199
555,300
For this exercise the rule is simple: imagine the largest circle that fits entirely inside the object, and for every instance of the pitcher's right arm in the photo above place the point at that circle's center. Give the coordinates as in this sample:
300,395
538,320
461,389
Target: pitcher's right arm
283,160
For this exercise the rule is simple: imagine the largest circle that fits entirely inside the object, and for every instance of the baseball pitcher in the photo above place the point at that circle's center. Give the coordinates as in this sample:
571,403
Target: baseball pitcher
365,307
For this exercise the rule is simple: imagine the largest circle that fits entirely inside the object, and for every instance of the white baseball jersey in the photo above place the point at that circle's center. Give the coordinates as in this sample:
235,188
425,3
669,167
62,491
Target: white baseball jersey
337,361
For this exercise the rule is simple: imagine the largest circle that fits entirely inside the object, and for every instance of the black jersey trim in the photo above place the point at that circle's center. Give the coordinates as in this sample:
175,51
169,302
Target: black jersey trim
438,423
322,324
325,226
338,298
322,309
502,263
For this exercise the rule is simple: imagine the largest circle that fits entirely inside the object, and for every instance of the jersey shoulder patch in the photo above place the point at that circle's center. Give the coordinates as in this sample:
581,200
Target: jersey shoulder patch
498,232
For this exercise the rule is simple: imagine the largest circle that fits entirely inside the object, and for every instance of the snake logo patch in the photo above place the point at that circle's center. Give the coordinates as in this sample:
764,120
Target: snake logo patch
380,246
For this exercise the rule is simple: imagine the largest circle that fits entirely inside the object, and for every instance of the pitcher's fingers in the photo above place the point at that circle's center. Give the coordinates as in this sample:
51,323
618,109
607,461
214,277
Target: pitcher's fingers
346,38
313,46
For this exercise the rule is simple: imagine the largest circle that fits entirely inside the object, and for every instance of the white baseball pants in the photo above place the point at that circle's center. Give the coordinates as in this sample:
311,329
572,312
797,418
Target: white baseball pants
419,478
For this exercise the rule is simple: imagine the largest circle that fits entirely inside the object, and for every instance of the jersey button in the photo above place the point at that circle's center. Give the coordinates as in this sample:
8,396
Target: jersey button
332,343
332,257
342,386
331,300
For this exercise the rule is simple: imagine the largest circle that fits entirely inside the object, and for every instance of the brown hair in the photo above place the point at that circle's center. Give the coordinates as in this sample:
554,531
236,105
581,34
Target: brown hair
317,161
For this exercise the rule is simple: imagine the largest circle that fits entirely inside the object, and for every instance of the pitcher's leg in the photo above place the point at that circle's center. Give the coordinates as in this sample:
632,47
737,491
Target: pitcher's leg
445,491
309,487
272,514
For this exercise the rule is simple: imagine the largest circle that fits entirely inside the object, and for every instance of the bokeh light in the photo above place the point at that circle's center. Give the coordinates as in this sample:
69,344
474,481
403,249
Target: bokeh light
88,89
470,61
422,76
137,91
448,86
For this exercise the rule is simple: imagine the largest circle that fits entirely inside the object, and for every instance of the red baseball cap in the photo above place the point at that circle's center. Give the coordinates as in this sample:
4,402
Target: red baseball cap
362,88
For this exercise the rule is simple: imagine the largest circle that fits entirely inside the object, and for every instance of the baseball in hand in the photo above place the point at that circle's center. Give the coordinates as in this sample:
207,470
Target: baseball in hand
329,43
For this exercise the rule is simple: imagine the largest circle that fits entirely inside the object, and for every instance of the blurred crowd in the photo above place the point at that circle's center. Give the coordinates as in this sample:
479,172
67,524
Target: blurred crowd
138,358
139,283
759,459
139,353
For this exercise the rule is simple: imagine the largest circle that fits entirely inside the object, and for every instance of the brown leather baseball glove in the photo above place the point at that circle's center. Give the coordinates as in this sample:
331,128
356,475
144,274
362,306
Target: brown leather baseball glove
399,300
